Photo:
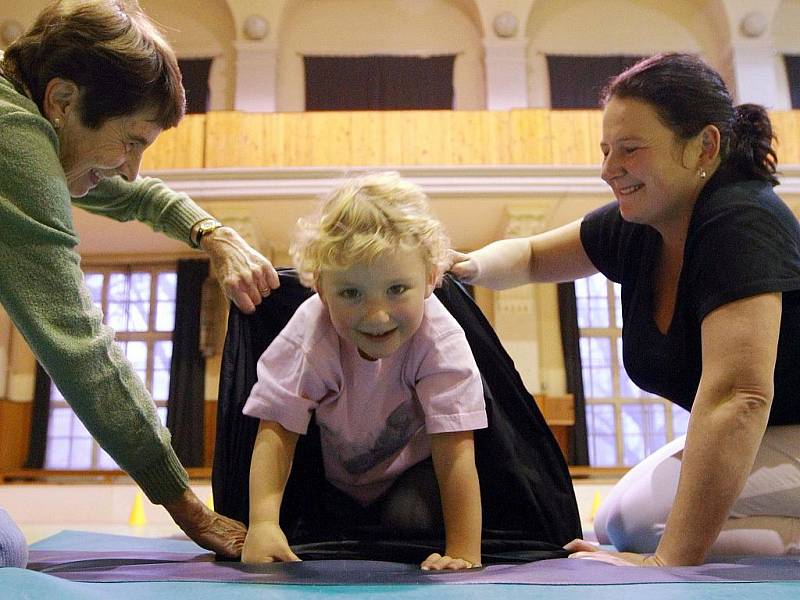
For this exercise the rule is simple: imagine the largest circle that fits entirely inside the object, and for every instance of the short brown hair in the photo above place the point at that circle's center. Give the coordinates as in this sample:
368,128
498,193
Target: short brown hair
110,49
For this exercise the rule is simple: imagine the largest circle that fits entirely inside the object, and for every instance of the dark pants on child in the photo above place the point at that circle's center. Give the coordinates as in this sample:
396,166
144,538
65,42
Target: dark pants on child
410,509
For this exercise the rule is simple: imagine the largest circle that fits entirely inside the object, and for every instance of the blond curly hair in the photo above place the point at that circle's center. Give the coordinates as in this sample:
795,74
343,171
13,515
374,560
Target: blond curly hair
363,217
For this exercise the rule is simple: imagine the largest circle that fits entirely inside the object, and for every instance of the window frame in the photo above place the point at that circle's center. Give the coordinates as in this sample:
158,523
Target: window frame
613,333
99,460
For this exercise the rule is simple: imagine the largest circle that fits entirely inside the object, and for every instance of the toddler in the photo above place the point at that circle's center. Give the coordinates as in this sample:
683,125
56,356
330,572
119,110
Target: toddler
387,373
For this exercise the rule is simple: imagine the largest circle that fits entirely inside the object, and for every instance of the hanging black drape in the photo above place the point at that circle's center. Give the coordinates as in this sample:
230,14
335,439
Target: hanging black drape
792,62
570,341
185,407
576,81
194,72
40,417
379,82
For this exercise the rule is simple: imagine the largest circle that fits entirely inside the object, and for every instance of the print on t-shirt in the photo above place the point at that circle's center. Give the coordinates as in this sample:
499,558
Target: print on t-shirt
398,431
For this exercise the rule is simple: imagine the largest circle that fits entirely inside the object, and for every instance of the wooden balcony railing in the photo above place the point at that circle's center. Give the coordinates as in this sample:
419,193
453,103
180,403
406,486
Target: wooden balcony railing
399,138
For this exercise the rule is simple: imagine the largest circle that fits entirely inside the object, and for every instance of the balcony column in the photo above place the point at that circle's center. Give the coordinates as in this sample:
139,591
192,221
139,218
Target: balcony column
256,69
753,54
506,73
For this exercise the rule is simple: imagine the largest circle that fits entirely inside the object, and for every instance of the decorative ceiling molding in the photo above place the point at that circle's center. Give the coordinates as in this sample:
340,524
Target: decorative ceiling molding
503,180
449,181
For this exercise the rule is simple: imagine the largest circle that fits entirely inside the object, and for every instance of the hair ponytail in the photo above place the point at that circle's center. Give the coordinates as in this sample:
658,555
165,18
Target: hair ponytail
751,148
687,95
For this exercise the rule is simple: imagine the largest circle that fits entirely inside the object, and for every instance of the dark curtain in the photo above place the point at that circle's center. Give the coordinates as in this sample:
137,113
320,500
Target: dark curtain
37,445
185,407
379,82
577,81
570,341
194,72
792,62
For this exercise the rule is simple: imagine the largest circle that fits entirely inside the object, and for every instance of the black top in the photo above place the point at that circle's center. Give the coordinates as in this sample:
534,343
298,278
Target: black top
742,241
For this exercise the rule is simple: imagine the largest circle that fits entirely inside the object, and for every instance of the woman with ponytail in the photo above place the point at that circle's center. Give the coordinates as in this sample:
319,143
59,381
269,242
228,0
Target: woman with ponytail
709,261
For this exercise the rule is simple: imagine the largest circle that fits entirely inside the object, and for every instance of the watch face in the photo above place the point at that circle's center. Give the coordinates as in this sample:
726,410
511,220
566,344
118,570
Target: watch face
205,228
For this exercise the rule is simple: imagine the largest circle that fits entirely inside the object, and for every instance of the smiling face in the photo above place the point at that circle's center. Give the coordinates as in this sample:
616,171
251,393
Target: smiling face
378,305
115,148
653,174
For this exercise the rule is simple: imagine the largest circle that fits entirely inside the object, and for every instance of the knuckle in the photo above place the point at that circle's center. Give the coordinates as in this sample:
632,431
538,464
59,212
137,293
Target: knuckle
232,280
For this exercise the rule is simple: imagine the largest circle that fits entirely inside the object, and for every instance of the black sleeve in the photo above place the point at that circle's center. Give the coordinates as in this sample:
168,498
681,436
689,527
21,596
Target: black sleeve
738,248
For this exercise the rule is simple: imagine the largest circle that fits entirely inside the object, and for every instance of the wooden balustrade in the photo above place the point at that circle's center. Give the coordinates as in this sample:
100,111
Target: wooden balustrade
397,138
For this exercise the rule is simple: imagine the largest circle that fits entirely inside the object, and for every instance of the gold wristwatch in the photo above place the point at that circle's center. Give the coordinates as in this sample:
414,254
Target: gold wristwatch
203,228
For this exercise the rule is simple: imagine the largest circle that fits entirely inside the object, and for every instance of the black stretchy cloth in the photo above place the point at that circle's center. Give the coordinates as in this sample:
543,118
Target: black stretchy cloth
529,507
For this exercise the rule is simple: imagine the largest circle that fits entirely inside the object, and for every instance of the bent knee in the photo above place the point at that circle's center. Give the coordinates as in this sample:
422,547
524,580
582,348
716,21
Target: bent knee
413,504
13,547
630,524
408,512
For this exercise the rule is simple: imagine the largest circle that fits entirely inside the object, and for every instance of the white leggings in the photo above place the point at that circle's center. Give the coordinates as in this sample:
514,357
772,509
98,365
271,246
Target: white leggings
764,520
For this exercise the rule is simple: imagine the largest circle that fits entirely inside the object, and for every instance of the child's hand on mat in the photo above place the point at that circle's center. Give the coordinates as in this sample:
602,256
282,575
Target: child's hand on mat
267,543
210,530
437,562
584,550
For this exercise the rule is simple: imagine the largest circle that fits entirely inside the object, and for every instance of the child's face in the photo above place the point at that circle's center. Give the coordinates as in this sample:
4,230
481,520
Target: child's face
378,305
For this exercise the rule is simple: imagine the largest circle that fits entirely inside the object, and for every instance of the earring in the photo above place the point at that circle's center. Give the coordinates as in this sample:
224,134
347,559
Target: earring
703,174
57,122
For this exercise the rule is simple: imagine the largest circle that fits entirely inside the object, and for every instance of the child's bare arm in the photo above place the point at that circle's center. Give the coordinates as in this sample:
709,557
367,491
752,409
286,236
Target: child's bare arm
454,463
272,461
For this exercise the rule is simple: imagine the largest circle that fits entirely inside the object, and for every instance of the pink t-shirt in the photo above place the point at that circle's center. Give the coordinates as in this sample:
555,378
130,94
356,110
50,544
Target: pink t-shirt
374,416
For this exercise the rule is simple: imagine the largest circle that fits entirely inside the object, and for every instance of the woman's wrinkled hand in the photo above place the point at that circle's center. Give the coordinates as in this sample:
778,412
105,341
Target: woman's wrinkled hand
584,550
461,265
212,531
267,543
244,274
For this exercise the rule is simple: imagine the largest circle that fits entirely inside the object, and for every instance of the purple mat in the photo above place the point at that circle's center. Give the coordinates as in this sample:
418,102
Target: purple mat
120,565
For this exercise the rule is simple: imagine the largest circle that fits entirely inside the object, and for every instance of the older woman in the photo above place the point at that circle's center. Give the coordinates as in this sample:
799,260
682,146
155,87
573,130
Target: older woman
709,261
82,94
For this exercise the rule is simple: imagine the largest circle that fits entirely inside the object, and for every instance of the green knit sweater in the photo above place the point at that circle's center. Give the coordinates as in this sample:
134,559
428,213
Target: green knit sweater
42,290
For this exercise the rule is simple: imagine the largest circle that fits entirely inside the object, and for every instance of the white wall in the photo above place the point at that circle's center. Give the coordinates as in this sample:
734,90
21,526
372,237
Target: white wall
212,27
635,27
359,27
193,33
786,27
786,36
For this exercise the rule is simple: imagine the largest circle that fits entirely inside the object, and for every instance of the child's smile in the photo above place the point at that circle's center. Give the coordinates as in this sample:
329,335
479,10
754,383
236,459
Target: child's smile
378,305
